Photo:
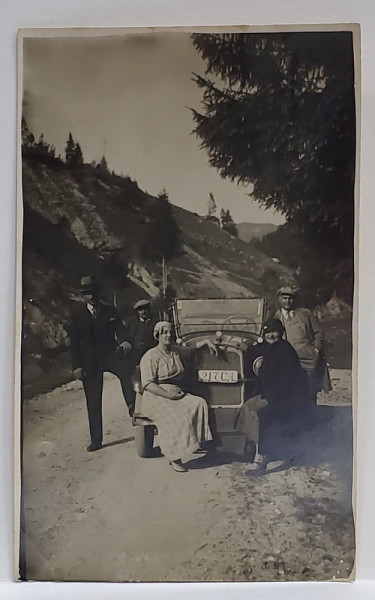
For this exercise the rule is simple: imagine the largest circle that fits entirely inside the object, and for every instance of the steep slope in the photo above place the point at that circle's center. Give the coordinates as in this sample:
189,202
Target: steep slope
96,223
217,264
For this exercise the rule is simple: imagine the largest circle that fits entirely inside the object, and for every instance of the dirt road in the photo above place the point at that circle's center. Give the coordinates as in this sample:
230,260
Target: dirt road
112,516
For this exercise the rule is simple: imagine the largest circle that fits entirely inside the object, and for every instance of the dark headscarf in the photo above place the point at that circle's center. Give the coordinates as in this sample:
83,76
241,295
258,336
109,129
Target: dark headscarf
273,325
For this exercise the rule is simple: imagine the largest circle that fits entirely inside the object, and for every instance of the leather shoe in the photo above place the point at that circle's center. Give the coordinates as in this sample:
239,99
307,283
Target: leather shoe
178,466
93,447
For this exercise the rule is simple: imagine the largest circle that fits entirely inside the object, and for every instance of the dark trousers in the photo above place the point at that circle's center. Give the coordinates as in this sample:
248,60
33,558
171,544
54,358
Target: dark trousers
318,380
314,385
93,387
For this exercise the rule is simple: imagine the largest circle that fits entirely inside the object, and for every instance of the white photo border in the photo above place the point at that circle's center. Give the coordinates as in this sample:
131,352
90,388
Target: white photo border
142,13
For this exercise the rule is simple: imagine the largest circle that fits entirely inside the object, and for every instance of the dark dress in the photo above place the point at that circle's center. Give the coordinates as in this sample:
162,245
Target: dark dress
278,407
283,382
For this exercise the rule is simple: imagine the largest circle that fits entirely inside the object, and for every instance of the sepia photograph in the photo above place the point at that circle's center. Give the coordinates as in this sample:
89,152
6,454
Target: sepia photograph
187,377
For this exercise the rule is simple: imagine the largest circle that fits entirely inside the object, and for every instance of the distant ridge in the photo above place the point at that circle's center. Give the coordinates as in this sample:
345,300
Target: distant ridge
248,231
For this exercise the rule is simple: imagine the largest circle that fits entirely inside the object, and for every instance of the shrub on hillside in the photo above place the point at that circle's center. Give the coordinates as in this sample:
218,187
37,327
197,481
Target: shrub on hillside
162,234
115,270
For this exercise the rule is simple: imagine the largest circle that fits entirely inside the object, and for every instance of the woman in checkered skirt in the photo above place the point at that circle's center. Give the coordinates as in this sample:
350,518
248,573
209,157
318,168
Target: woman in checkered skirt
181,418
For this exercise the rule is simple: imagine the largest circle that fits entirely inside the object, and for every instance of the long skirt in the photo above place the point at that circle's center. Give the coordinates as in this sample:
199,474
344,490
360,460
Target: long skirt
182,424
248,418
271,427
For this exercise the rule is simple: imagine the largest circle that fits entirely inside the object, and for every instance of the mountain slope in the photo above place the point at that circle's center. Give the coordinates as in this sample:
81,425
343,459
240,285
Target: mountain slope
223,266
96,224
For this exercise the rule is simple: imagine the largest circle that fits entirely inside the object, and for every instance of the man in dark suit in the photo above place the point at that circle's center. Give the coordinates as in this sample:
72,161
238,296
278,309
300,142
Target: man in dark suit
98,344
140,331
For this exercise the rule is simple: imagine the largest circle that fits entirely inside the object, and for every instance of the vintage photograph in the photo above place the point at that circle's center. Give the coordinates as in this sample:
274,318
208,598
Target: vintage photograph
186,368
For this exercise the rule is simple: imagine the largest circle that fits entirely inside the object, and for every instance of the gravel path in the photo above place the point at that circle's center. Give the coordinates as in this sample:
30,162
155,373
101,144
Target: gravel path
112,516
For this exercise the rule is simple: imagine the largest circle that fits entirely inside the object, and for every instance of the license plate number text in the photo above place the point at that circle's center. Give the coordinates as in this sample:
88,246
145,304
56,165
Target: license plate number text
216,376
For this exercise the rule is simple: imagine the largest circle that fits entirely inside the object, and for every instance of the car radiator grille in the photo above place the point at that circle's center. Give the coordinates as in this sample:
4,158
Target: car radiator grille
222,394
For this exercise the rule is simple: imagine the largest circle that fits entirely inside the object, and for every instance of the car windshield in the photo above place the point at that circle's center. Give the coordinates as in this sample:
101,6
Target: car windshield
240,314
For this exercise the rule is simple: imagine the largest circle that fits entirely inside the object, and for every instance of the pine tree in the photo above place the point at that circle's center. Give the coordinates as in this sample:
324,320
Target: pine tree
43,148
26,135
104,165
279,114
78,156
211,206
227,222
39,151
73,154
69,151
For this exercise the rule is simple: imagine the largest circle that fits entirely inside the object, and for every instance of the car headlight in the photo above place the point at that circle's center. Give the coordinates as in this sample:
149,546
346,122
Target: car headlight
257,363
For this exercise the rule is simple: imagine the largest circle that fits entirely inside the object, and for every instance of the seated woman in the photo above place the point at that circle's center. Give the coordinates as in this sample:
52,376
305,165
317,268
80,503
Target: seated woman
278,408
180,417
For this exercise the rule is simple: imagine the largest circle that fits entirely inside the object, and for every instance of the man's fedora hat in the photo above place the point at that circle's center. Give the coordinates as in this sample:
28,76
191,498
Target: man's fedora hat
89,284
141,304
288,290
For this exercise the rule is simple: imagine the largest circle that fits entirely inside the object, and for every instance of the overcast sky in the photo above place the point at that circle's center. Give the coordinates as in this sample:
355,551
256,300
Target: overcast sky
128,97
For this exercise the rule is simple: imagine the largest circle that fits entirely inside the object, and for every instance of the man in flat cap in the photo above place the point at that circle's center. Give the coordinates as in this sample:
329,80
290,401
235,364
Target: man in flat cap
98,344
304,332
140,331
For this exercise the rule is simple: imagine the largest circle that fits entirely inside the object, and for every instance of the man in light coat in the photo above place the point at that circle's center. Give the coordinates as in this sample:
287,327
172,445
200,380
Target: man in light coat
304,332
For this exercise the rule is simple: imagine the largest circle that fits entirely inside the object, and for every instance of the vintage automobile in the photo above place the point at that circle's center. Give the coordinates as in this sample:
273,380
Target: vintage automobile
227,380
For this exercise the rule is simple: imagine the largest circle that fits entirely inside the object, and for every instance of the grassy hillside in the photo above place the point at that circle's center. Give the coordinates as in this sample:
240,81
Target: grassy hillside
96,223
217,264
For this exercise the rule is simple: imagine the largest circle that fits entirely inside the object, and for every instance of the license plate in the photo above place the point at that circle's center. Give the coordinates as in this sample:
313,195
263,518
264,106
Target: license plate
216,376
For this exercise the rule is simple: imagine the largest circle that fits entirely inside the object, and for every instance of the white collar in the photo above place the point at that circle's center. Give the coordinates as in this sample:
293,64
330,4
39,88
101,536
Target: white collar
90,308
288,314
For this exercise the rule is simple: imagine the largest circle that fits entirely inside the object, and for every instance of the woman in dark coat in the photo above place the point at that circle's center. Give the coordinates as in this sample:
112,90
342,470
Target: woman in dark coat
283,381
274,417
